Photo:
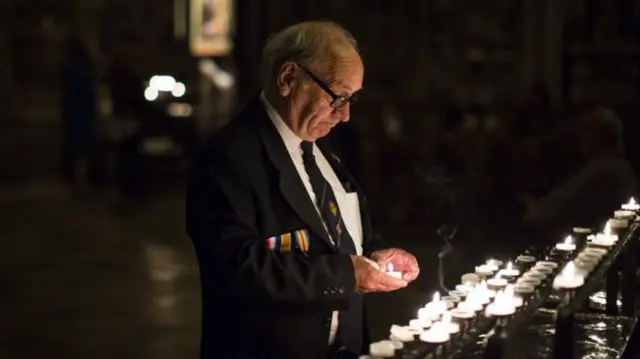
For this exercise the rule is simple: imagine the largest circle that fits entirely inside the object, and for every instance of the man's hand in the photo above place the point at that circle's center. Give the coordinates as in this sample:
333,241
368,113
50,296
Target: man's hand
369,278
402,261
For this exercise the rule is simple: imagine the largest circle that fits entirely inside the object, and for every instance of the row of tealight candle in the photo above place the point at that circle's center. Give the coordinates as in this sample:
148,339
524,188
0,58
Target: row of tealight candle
497,291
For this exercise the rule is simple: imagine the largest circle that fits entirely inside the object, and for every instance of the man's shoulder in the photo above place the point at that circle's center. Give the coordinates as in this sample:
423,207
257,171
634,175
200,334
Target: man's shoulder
236,139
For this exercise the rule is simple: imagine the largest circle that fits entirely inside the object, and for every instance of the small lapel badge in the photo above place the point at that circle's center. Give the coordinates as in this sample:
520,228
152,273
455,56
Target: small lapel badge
333,208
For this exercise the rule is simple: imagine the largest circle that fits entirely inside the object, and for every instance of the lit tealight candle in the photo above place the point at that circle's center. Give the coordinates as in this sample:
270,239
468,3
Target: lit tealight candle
534,275
392,273
446,322
619,223
509,293
485,270
595,251
524,289
465,287
402,334
463,314
497,282
567,245
509,271
419,324
502,306
382,349
437,334
623,214
631,205
496,263
605,239
482,293
470,304
529,281
569,278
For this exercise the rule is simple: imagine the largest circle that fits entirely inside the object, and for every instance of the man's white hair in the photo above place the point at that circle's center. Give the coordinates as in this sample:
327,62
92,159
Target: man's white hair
307,43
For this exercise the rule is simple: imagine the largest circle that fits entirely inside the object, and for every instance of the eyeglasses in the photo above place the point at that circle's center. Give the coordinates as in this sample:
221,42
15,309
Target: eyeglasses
337,101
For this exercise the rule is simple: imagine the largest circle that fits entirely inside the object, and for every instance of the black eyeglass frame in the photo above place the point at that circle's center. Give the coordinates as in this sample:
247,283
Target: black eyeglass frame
337,101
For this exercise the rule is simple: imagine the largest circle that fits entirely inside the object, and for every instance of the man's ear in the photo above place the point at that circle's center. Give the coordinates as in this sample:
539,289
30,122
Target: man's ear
286,79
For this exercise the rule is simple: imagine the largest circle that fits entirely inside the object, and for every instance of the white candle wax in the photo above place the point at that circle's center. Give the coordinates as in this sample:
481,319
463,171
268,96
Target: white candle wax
537,275
523,289
590,257
595,251
383,349
463,313
567,245
631,205
569,278
494,263
392,273
437,334
547,264
509,271
529,281
623,214
605,239
470,304
428,315
497,281
501,306
542,270
436,305
457,293
450,326
581,230
485,270
516,301
585,266
526,259
401,333
465,288
419,324
619,223
470,278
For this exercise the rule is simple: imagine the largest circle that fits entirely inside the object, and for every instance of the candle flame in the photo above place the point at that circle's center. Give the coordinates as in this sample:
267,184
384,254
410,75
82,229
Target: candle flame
436,297
568,240
607,228
446,317
569,270
509,266
390,267
632,201
508,291
498,276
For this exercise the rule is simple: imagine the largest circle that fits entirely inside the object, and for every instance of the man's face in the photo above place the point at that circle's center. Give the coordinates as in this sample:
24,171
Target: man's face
310,110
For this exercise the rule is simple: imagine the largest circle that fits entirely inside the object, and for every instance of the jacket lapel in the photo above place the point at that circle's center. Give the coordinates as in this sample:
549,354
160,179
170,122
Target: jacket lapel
289,182
348,181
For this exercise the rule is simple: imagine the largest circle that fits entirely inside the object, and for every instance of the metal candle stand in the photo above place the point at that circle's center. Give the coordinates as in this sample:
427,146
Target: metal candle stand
502,329
572,300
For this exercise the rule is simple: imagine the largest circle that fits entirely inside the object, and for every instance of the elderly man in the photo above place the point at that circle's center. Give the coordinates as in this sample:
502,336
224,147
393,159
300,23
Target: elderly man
281,229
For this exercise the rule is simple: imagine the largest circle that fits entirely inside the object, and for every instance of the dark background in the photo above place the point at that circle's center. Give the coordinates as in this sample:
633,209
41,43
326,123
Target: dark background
447,84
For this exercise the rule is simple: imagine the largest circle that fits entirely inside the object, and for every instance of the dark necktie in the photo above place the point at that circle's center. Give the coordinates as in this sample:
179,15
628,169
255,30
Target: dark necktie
350,320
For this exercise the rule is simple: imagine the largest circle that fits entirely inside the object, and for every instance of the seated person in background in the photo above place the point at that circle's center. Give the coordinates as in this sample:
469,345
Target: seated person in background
597,189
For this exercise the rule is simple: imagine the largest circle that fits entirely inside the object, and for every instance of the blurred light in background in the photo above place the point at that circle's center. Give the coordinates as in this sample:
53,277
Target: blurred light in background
221,78
164,83
179,109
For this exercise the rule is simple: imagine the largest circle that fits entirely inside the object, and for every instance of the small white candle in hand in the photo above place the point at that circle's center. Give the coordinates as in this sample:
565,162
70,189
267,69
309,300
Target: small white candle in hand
391,272
569,278
567,245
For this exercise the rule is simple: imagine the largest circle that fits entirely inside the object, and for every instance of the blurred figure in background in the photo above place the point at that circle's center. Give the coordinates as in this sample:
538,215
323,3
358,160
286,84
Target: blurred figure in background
589,196
79,116
126,90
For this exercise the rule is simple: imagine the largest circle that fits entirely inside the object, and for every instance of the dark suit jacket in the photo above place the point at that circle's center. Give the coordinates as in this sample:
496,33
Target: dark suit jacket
261,303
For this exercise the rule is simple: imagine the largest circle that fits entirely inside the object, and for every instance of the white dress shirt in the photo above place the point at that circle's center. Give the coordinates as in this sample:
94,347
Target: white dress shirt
347,202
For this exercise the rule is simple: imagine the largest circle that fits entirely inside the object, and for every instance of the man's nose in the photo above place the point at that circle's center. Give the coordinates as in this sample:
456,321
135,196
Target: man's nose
343,112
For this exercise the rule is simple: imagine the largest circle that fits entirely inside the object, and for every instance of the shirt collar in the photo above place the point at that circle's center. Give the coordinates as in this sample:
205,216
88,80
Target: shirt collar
290,139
